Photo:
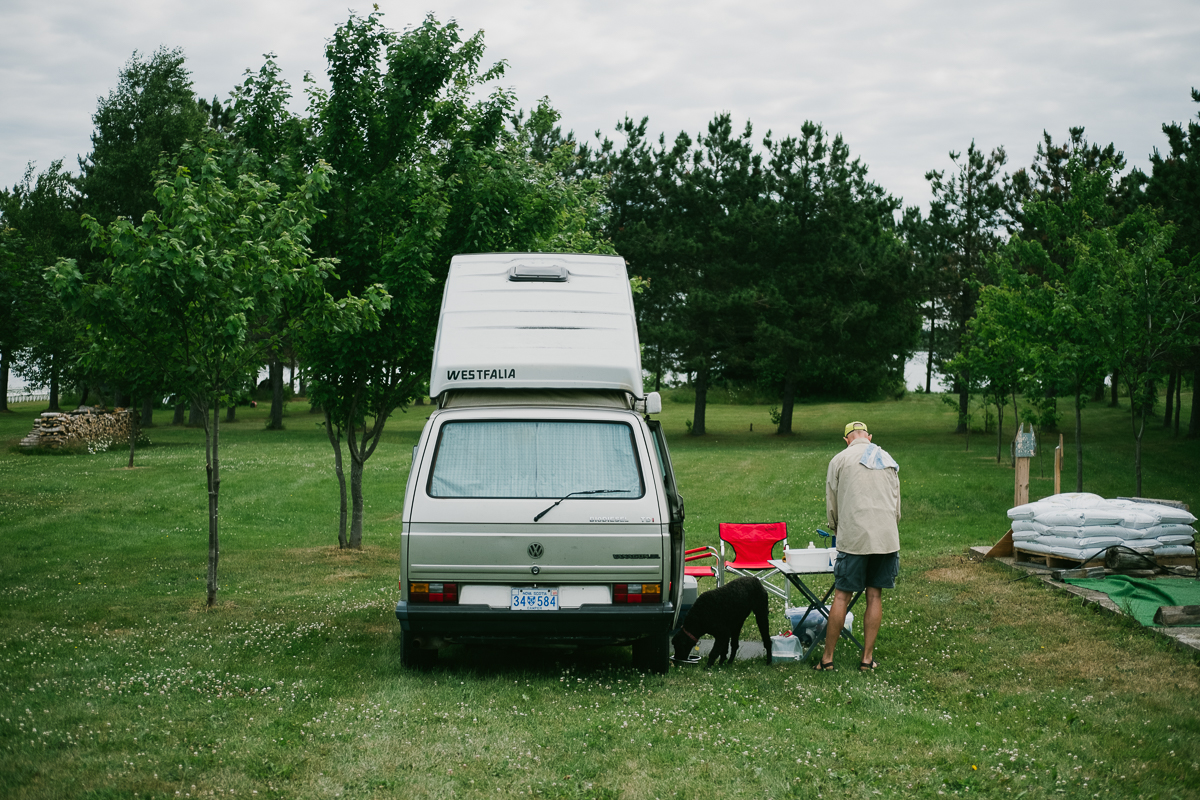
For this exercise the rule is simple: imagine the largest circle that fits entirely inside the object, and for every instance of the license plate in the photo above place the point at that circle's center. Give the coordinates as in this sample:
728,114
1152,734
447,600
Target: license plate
534,599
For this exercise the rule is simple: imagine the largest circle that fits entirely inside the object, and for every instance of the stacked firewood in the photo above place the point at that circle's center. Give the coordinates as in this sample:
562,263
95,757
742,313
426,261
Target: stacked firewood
92,426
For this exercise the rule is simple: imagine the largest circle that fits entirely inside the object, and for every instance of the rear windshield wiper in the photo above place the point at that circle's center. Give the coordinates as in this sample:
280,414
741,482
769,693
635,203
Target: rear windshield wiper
572,494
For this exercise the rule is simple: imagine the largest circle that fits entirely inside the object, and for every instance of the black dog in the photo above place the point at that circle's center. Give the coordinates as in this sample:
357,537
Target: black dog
722,612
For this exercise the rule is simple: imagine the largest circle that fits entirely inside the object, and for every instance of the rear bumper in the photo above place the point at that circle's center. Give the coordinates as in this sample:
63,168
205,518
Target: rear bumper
599,624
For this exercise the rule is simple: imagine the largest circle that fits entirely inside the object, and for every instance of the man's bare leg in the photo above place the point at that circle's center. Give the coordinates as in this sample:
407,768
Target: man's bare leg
871,622
837,619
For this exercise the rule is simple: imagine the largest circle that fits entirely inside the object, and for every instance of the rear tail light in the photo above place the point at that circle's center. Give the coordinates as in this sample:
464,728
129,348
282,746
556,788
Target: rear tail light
433,593
637,593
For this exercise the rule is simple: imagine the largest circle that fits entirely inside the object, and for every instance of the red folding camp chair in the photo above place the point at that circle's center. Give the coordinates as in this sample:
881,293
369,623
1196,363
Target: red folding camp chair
713,570
752,543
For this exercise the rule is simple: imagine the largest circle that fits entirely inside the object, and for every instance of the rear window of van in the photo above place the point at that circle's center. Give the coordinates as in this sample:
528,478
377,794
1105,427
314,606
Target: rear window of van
526,458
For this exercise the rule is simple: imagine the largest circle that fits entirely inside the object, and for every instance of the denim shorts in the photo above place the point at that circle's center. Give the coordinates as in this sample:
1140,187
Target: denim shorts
853,573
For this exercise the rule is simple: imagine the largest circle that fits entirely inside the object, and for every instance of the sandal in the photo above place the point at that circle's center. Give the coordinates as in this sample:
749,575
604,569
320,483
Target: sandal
822,666
868,666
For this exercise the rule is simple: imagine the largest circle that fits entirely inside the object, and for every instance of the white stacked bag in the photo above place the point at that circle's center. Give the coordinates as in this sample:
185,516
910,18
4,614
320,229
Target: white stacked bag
1079,525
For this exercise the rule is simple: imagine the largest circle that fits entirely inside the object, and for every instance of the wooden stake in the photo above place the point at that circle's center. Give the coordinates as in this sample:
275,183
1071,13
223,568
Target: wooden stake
1058,458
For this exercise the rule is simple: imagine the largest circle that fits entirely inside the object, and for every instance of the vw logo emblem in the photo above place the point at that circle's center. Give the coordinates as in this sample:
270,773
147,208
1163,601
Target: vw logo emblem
535,550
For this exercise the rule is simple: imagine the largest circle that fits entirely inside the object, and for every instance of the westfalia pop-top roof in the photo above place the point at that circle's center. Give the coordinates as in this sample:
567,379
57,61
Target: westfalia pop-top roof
537,320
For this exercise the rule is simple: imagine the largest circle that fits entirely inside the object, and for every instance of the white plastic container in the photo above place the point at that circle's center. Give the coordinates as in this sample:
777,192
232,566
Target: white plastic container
813,629
785,648
816,559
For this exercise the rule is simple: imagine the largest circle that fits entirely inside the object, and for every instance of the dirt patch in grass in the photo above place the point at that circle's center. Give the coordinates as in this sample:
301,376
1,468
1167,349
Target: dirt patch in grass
959,573
333,551
1058,644
346,575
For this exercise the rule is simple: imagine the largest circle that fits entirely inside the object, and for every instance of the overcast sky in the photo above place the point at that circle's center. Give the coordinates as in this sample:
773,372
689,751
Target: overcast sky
903,82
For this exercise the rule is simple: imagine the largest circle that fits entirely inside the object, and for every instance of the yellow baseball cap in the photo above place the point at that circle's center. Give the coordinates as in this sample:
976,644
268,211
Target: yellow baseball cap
854,426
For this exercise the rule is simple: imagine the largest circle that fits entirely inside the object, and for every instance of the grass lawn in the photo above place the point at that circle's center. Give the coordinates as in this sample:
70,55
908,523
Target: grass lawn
115,682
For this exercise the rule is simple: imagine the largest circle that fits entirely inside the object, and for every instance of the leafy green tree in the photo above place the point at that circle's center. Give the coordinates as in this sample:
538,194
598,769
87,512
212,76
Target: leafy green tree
193,292
836,306
1054,179
422,170
1152,304
637,190
1056,166
1174,185
45,210
993,353
964,221
1051,299
259,119
16,277
152,111
716,207
685,216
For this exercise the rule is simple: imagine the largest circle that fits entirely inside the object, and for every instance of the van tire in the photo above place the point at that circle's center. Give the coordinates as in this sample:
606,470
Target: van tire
412,655
653,654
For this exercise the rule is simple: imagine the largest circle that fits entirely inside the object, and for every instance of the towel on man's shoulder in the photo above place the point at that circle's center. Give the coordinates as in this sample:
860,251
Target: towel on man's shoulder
877,458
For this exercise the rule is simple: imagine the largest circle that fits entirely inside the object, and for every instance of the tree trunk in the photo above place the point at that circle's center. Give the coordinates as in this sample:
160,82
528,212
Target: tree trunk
1139,427
701,401
1178,400
999,431
54,384
180,410
1078,440
968,438
964,403
231,412
356,497
133,434
788,402
197,415
1169,409
1016,426
213,469
1193,426
86,391
276,372
4,381
147,420
929,354
1116,376
335,439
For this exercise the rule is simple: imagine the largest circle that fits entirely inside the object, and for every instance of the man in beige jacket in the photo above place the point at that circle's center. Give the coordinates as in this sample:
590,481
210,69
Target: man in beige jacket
862,501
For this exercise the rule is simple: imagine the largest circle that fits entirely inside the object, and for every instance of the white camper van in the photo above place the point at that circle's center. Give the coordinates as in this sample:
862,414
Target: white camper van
541,506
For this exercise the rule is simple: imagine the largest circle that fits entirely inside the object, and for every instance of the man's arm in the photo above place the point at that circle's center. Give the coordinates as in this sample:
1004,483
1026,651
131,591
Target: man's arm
831,486
896,492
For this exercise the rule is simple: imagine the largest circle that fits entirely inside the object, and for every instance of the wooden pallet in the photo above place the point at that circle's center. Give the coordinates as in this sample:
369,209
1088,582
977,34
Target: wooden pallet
1054,561
1060,562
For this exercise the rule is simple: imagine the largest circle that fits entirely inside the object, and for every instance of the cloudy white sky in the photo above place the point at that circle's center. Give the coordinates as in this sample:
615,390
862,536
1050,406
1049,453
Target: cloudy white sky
903,81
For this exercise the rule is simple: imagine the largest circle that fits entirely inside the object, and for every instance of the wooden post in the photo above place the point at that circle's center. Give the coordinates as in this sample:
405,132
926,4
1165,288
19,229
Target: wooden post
1026,448
1177,615
1021,491
1058,455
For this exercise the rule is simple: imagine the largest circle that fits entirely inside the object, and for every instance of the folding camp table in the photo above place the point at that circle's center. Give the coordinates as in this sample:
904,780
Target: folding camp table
815,603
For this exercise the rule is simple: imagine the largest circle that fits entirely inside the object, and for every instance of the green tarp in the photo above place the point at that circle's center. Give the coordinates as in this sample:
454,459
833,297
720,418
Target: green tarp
1141,597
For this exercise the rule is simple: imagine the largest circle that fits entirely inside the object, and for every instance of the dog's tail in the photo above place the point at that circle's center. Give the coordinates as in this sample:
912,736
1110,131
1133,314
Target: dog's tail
762,617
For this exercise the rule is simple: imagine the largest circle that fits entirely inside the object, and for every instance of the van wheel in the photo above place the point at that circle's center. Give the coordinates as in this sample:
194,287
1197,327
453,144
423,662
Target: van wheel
412,655
653,654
